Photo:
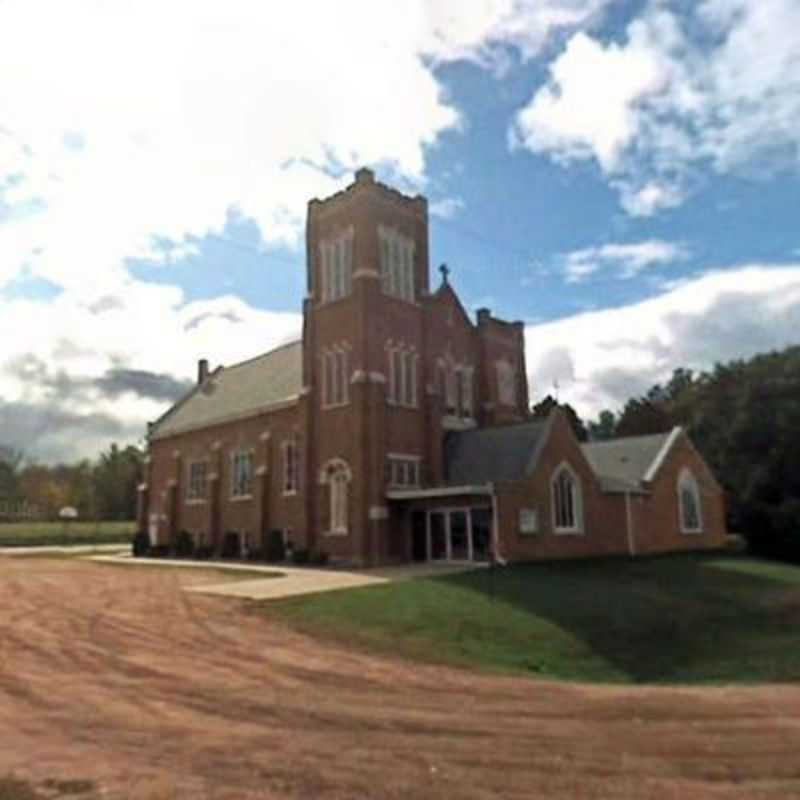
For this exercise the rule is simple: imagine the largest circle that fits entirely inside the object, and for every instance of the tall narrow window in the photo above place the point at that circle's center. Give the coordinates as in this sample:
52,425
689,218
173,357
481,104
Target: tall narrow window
441,383
335,377
451,392
336,267
242,473
397,263
402,471
337,476
506,383
291,470
339,502
465,400
344,382
386,260
196,489
566,499
689,503
408,379
402,382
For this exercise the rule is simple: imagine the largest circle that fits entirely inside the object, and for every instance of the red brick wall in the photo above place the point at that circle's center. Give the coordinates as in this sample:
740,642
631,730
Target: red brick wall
499,340
603,516
656,517
363,431
170,459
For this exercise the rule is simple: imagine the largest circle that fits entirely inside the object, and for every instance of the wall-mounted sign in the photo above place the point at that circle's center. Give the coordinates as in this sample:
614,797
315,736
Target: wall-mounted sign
528,520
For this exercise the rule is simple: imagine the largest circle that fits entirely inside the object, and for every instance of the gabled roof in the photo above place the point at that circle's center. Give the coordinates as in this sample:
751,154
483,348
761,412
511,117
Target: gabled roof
237,391
503,453
624,464
446,292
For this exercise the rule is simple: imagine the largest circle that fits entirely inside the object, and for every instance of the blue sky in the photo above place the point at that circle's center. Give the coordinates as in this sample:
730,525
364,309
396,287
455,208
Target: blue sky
622,176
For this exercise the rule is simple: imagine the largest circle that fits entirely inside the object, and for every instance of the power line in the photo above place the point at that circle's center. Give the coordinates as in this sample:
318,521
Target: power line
496,243
300,260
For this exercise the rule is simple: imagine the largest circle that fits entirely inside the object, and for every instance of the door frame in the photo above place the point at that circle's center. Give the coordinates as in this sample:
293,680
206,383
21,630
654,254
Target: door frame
447,512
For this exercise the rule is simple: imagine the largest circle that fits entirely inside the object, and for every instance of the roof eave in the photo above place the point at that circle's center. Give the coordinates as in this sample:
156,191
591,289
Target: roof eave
256,412
438,491
662,454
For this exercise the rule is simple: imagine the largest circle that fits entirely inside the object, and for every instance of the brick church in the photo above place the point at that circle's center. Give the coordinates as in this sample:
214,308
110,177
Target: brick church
398,428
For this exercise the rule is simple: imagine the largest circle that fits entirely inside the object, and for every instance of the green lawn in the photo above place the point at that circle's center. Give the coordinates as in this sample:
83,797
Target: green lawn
29,534
679,619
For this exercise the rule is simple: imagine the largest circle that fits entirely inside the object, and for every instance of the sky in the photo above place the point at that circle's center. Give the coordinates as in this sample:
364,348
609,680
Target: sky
621,175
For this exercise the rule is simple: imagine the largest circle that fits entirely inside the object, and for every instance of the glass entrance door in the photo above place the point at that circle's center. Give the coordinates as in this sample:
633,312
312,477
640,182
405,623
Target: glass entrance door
458,534
439,535
460,545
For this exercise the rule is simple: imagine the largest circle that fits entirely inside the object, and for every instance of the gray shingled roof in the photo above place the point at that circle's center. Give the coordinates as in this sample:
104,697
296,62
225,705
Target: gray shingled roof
238,390
621,464
484,455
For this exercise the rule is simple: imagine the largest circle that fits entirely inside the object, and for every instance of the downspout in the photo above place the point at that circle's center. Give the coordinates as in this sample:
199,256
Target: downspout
629,524
495,527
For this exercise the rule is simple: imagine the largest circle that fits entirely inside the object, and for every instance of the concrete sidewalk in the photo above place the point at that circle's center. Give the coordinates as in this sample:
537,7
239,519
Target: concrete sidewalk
293,581
61,549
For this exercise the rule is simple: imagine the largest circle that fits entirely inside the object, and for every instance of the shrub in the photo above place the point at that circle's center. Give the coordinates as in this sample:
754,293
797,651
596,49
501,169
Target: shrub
301,556
184,545
203,553
274,546
158,551
141,544
319,558
256,554
231,547
773,531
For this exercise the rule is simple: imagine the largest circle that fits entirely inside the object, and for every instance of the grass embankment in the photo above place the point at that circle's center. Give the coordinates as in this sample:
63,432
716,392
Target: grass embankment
680,619
32,534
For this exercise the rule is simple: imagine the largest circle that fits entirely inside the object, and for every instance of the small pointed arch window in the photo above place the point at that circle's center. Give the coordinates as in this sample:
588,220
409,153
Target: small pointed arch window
337,475
567,500
689,507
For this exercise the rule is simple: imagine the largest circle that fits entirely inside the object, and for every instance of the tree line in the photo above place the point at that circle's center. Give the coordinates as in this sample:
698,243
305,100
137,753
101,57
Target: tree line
101,489
744,418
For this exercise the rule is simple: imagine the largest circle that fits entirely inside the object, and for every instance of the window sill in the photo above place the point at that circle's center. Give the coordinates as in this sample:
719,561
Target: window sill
336,533
453,423
290,493
195,501
691,531
329,406
569,532
396,404
240,498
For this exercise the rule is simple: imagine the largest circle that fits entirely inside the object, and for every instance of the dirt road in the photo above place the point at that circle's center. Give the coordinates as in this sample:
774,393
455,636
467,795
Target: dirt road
118,676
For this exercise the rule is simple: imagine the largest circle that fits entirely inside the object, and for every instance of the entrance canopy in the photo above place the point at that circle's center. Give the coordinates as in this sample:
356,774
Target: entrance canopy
439,492
448,523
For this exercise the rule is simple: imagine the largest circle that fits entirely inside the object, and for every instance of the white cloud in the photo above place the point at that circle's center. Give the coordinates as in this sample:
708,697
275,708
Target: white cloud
626,260
650,198
588,107
475,30
121,122
132,130
602,358
717,89
55,377
446,208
